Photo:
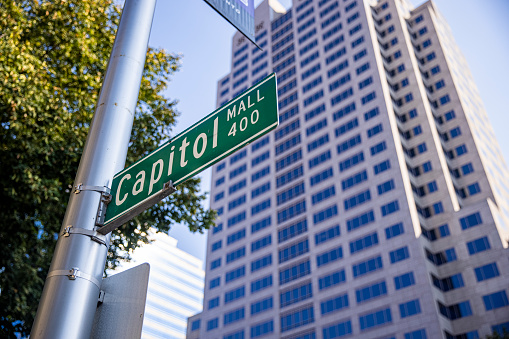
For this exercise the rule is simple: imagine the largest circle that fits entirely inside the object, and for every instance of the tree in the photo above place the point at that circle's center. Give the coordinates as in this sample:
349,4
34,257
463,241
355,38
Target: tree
53,55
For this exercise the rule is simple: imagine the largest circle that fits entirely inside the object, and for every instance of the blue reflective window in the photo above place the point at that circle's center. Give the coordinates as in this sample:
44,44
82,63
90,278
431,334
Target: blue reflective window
234,294
329,256
339,329
374,319
409,308
320,177
294,272
297,319
394,231
363,243
262,305
351,161
263,328
334,304
328,234
291,211
357,200
389,208
325,214
292,230
399,255
323,195
360,220
259,225
331,279
261,283
261,263
212,324
486,272
293,251
382,167
367,266
372,291
478,245
261,243
495,300
296,294
404,280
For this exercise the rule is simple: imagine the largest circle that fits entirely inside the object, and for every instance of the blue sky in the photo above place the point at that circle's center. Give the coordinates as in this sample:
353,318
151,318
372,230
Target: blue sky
203,37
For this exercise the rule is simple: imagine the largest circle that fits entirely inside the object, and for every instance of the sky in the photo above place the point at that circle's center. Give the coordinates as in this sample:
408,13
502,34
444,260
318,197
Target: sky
202,37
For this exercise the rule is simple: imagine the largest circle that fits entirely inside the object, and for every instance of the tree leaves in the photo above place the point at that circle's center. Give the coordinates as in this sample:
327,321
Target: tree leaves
53,55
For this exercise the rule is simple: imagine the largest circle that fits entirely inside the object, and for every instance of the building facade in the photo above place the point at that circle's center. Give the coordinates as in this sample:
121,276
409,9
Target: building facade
379,207
175,287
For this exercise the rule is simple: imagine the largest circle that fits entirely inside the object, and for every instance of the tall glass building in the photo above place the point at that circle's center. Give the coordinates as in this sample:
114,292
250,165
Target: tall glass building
175,287
379,208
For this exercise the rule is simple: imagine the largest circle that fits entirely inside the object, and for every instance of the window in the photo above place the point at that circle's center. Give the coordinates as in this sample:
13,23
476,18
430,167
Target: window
261,263
314,112
351,161
365,82
292,230
288,160
294,272
236,254
319,159
370,292
263,328
259,225
217,245
394,231
291,211
375,319
316,127
495,300
289,176
390,208
337,330
478,245
293,251
233,316
404,280
195,325
348,144
338,68
382,167
360,220
261,243
357,200
331,279
260,190
385,187
234,294
380,147
328,234
235,274
212,324
262,305
364,243
219,196
215,263
323,195
325,214
353,180
409,308
399,255
214,283
236,219
367,266
295,295
448,283
342,96
290,113
320,177
260,159
236,236
344,111
236,335
486,272
297,319
261,173
261,284
329,256
262,206
419,334
334,304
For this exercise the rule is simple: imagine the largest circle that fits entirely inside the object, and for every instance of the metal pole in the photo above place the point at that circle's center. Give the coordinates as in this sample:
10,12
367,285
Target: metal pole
70,295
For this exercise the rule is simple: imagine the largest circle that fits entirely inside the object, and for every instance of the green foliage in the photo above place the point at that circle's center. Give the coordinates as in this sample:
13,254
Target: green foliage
53,55
496,335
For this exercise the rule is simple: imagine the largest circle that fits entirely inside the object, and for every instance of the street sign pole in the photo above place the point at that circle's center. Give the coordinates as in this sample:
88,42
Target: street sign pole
71,292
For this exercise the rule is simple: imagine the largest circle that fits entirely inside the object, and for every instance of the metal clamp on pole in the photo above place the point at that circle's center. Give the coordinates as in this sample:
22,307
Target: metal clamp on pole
97,237
101,189
74,273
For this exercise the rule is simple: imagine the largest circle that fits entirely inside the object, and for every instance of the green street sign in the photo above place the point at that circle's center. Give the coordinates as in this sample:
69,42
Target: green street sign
218,135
